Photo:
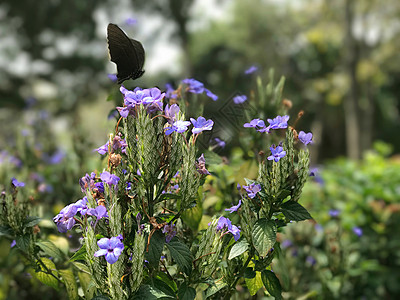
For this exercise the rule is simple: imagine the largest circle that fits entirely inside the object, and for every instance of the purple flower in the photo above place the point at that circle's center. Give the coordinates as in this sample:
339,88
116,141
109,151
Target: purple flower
13,243
235,207
286,244
131,99
255,123
178,126
225,223
98,212
111,248
17,183
334,213
358,231
128,186
171,112
171,92
130,21
197,87
211,95
110,179
311,260
170,231
251,70
238,187
152,99
239,99
278,122
252,189
100,187
194,86
112,77
313,172
201,124
65,219
276,153
119,143
201,165
305,138
220,143
102,149
87,182
56,158
81,206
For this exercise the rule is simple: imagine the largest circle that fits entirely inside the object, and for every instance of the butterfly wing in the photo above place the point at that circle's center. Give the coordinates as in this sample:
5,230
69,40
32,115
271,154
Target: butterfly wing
126,53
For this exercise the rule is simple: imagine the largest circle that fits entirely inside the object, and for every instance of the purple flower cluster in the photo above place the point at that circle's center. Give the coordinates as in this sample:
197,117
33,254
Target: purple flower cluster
197,87
65,220
252,189
225,223
180,126
87,182
150,98
280,122
170,230
111,248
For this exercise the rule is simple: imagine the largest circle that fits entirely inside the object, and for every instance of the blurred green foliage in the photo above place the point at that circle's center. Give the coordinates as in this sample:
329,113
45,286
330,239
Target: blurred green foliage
326,259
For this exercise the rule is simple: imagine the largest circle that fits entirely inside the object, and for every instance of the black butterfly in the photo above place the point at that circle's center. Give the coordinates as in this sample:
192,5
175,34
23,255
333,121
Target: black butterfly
126,53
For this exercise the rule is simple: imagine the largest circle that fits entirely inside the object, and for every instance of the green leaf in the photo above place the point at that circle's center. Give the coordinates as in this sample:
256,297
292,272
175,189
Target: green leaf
70,283
23,242
181,254
192,216
264,236
80,254
81,267
6,231
254,284
85,280
295,211
271,283
147,292
186,292
31,221
49,248
163,286
215,287
249,273
155,248
44,277
283,195
238,249
164,277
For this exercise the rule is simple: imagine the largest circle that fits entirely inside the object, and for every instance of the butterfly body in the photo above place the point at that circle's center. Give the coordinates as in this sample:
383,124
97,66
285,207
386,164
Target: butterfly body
126,53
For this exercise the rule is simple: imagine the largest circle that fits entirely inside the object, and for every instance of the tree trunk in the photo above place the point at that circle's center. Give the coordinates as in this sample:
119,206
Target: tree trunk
350,106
